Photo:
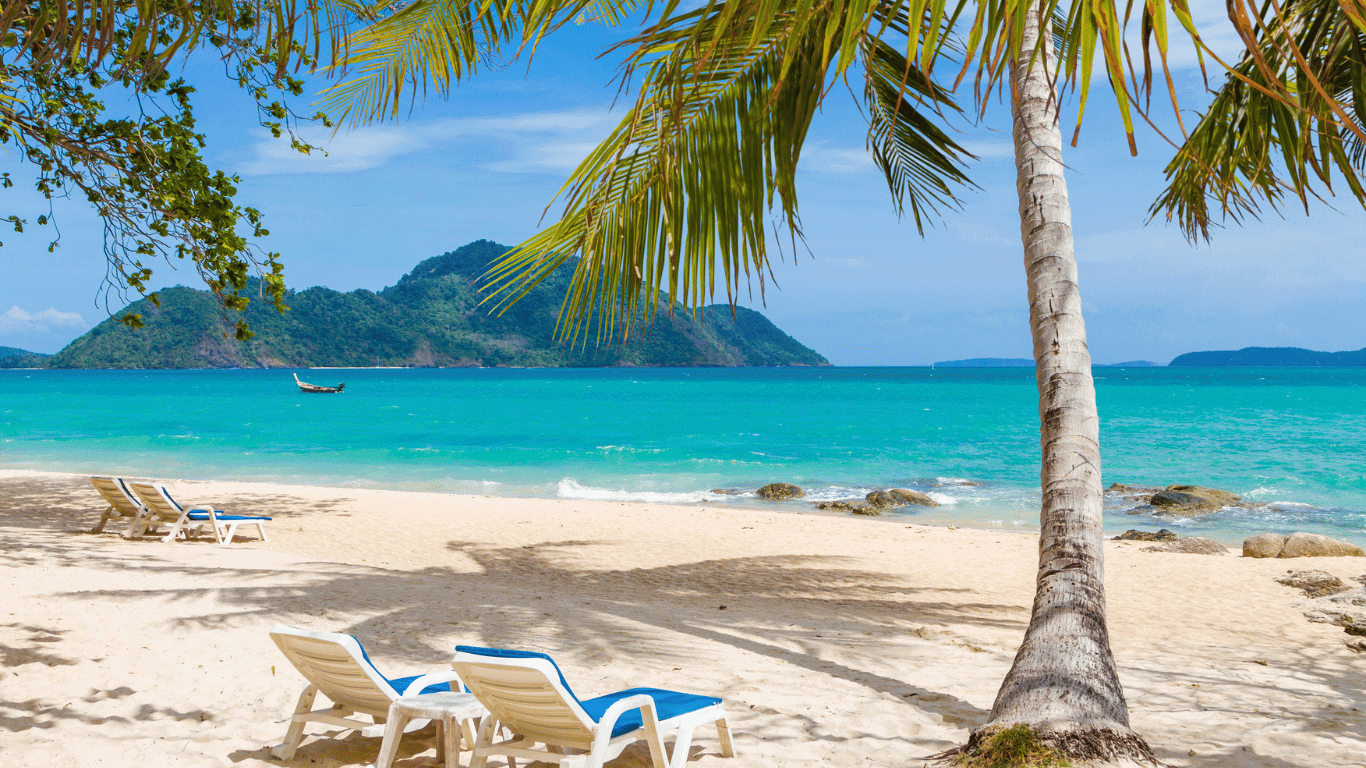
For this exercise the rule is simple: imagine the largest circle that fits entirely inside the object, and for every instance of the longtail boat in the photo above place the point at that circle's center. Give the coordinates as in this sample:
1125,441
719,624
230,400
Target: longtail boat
306,387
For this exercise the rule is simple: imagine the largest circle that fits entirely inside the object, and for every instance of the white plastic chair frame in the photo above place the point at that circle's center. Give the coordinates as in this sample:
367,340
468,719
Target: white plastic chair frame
121,503
162,508
336,667
526,697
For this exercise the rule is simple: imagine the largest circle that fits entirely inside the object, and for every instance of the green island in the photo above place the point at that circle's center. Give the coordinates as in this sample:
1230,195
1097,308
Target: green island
430,318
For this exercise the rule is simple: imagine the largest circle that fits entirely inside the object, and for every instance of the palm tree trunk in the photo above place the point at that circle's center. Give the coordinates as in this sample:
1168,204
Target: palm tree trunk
1063,684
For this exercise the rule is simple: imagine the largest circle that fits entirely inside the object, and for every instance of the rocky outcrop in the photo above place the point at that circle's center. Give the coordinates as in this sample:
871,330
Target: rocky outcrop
1318,545
1264,545
844,506
916,497
1331,601
1298,545
1132,535
899,497
1314,583
780,491
1185,500
1193,545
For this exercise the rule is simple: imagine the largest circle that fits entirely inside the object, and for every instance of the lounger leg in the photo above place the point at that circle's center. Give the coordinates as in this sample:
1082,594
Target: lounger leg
658,757
681,745
99,527
231,531
136,526
487,726
393,734
723,733
261,529
296,724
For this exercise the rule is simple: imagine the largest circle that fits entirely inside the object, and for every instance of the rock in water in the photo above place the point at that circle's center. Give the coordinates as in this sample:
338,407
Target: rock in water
1314,583
1194,545
836,506
1192,500
1263,545
916,497
780,491
1132,535
862,510
1317,545
883,499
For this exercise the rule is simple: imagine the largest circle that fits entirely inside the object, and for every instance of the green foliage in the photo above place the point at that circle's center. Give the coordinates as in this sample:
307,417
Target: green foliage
144,174
431,317
1274,128
1014,747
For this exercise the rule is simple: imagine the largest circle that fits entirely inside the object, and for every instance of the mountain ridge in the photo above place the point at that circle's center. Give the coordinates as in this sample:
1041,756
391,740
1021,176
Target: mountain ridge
430,318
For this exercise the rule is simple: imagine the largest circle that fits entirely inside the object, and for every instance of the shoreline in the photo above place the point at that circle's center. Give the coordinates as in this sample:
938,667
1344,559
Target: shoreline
908,515
876,642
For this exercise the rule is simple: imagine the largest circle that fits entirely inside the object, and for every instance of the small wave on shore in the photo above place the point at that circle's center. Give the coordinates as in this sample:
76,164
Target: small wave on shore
569,488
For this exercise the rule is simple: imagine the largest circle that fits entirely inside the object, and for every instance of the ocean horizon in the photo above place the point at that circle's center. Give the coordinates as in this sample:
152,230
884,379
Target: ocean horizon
1291,440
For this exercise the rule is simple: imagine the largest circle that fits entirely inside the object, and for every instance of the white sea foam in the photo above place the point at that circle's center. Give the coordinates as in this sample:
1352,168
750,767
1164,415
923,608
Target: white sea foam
835,493
570,489
942,498
953,481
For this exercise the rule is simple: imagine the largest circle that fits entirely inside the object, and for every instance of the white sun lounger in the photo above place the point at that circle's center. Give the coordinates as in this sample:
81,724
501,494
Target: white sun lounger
526,693
161,508
121,503
336,666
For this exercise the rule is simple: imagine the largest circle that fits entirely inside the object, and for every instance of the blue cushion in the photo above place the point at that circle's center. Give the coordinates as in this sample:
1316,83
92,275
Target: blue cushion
668,704
401,685
507,653
203,514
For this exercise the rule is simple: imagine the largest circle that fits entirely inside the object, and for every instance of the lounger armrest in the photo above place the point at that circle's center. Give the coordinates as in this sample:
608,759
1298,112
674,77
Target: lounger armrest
432,678
608,722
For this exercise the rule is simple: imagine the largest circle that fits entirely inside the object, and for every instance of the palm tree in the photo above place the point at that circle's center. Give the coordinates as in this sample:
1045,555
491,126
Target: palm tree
683,190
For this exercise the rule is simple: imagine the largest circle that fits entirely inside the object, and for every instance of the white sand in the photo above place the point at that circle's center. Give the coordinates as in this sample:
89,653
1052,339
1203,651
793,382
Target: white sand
842,641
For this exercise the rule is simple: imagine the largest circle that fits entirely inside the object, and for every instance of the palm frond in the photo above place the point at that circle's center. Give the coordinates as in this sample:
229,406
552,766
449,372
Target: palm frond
684,186
921,163
688,186
1255,147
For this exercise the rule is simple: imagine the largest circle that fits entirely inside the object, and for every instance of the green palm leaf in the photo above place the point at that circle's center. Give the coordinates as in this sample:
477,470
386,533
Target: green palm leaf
1253,146
685,188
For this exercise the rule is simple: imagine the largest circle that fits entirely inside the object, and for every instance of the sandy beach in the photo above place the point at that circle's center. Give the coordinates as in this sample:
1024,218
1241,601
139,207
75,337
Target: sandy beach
833,640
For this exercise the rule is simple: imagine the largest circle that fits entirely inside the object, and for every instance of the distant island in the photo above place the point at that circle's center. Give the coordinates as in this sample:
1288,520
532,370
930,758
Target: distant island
430,318
14,357
1271,357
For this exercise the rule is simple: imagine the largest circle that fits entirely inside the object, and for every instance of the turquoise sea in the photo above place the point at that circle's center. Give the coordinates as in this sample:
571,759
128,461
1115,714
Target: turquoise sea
1293,439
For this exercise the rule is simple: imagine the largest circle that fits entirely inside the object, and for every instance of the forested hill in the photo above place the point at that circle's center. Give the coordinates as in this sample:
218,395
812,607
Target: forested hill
1272,357
431,318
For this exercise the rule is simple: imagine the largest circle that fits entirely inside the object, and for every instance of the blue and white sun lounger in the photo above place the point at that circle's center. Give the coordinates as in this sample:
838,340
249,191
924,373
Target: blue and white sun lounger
336,666
164,509
526,693
122,503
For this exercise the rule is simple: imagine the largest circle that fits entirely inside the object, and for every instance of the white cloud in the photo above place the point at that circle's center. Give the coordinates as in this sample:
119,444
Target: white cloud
534,142
837,159
18,319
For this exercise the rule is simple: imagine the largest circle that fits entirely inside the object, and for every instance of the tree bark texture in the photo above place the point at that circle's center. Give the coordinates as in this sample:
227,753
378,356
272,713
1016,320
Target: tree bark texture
1063,683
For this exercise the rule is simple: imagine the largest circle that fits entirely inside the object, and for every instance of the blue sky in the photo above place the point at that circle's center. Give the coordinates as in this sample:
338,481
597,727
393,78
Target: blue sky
484,163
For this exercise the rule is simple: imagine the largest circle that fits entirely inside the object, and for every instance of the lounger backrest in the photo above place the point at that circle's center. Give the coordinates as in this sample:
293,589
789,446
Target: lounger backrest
338,666
526,692
158,501
114,492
